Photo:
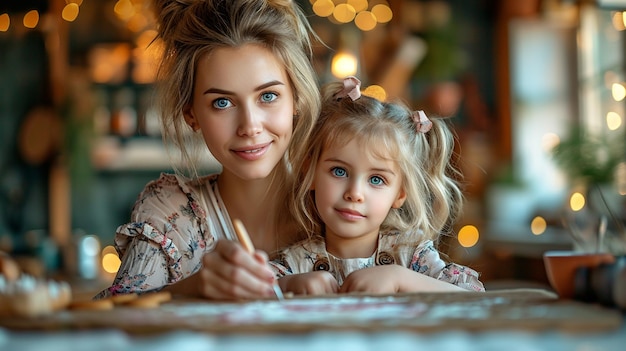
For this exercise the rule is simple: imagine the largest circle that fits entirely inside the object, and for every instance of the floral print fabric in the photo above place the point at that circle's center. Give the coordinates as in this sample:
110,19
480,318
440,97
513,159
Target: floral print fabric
168,234
406,249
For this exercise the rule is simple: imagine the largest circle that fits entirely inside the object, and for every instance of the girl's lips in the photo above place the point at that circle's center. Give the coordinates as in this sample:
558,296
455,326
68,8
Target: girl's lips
349,214
252,153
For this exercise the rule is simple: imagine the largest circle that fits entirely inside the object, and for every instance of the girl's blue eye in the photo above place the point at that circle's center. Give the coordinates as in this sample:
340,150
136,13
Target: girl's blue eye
338,172
268,97
376,180
221,103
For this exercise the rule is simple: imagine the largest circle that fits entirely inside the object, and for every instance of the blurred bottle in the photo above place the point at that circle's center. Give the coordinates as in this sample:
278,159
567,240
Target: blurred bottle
124,114
604,284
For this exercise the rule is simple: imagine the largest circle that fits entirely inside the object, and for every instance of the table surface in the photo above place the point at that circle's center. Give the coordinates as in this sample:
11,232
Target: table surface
520,319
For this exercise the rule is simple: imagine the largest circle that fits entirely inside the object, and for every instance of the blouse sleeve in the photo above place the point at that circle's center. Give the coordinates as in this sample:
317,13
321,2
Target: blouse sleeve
163,243
426,260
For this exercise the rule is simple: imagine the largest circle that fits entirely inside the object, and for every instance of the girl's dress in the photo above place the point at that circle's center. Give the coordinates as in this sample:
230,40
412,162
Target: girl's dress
168,233
405,249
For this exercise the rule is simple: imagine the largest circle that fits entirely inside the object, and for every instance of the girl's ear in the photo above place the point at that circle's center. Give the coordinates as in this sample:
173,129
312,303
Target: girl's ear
399,199
190,119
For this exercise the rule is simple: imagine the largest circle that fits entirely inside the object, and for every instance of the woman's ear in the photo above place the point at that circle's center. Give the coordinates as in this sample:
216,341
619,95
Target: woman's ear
190,119
399,199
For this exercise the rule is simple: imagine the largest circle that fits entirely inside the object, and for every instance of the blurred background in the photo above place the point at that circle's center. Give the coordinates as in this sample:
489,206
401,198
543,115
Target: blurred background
535,90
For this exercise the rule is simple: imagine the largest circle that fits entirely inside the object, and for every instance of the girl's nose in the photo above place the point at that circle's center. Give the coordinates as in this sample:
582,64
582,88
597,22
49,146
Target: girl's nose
354,193
250,122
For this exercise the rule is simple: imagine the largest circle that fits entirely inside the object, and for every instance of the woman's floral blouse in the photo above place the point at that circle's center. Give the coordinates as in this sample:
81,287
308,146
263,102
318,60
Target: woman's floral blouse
168,233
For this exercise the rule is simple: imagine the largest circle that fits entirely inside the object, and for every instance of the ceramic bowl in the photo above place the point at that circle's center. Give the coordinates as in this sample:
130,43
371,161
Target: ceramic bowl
561,268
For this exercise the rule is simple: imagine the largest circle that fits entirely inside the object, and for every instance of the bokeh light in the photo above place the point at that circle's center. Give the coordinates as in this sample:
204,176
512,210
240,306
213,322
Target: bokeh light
31,19
5,22
577,201
70,12
468,236
538,225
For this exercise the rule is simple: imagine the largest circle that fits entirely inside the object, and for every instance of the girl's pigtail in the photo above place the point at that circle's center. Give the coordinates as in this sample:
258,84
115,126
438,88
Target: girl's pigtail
447,197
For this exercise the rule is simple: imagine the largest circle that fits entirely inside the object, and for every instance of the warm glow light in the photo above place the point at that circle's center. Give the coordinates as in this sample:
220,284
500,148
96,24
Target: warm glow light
468,236
108,249
5,22
375,91
323,8
358,5
577,201
383,13
613,120
146,56
137,22
619,20
77,2
538,225
344,13
365,21
618,91
70,12
111,263
549,141
31,19
124,9
344,64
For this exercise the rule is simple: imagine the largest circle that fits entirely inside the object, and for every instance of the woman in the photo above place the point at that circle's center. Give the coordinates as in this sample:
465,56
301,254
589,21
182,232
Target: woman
237,74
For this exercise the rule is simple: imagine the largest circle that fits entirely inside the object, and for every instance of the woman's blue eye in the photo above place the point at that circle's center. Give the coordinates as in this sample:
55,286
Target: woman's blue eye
338,172
376,180
268,97
221,103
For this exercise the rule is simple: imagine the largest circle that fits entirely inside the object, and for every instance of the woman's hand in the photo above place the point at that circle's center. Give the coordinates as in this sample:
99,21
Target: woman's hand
229,272
391,279
312,283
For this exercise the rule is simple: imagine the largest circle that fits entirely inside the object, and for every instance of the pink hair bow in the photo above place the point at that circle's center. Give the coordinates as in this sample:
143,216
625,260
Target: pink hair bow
351,88
422,123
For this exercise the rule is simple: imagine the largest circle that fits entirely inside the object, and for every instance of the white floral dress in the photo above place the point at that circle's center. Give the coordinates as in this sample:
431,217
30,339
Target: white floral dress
168,233
405,249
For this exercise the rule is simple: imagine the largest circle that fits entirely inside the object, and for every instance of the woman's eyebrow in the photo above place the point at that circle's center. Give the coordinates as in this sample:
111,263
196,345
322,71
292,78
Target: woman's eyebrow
226,92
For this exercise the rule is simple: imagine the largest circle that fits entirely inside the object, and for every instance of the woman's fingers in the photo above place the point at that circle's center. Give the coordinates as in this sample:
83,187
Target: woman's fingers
230,272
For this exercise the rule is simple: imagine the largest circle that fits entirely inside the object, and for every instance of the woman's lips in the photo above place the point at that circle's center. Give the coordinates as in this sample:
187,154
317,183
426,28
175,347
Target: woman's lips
252,153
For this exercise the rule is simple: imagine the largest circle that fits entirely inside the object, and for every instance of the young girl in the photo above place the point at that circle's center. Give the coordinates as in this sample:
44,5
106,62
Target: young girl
379,188
236,75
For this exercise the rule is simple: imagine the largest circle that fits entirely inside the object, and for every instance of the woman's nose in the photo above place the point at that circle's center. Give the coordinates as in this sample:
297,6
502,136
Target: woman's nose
250,122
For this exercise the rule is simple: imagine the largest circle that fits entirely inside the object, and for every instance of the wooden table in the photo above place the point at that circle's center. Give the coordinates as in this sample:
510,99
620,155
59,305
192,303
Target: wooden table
431,318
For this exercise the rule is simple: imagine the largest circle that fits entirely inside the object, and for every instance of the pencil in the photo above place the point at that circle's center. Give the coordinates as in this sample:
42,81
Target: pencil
244,239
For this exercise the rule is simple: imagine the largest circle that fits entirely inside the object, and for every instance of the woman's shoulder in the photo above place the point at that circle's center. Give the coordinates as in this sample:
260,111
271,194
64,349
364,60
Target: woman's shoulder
169,184
171,191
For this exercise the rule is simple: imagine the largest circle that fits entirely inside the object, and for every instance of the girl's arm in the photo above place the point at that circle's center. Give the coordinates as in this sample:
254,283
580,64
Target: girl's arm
391,279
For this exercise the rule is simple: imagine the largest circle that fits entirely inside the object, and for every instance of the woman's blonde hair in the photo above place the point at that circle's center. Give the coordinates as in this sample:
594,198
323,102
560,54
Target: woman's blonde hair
429,178
192,29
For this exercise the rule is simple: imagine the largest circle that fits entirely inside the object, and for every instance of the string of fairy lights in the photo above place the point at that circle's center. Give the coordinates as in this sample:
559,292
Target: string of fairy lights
132,12
365,14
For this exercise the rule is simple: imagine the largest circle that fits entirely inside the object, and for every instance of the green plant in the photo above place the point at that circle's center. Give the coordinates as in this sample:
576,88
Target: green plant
444,57
588,157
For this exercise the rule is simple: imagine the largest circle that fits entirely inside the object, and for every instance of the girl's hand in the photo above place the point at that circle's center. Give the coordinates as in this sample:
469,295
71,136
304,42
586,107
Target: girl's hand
229,272
376,280
312,283
391,279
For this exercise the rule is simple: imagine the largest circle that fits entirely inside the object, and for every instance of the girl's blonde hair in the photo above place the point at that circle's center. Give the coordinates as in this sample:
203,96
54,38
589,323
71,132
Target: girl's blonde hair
192,29
434,198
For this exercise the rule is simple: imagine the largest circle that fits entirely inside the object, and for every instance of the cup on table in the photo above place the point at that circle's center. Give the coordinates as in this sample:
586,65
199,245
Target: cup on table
561,267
